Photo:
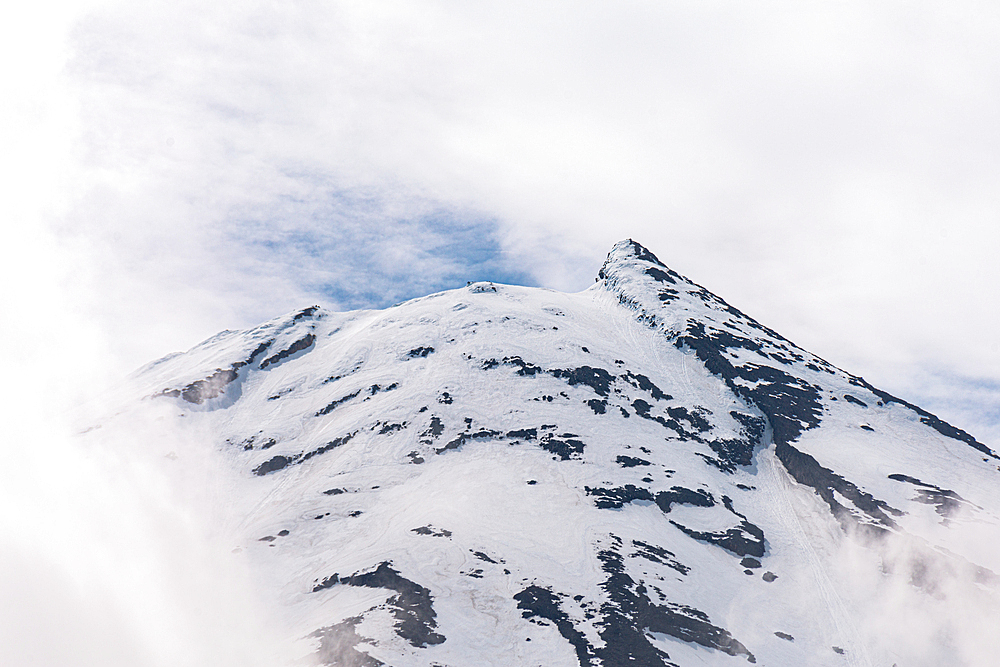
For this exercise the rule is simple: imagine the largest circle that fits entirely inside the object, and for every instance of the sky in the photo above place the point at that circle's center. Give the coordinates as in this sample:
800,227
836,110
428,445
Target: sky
829,168
173,169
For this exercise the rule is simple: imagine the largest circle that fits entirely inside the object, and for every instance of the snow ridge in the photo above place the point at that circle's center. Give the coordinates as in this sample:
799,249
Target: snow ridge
635,474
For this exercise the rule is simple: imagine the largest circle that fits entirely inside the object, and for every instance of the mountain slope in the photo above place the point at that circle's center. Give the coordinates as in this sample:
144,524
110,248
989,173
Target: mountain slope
637,474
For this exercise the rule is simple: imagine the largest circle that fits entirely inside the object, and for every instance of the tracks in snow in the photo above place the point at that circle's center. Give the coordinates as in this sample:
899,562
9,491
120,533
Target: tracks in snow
778,488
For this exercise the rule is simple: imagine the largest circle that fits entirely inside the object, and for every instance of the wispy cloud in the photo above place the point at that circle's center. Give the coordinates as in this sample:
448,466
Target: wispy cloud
828,169
972,402
358,252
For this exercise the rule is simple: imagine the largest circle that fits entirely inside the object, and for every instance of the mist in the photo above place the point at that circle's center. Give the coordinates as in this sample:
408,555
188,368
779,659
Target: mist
919,605
115,545
174,170
107,562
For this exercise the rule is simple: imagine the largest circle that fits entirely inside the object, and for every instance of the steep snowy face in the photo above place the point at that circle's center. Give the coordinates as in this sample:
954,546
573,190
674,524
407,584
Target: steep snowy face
637,474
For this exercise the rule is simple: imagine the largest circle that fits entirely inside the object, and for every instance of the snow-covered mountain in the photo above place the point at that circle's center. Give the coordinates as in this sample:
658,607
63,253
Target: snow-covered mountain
637,474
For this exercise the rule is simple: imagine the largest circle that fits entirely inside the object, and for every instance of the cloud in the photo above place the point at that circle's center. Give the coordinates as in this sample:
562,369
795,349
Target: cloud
365,252
914,604
176,168
107,561
973,402
828,169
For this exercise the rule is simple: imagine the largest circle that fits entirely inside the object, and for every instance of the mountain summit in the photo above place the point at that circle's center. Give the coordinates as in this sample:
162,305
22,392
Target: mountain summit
636,474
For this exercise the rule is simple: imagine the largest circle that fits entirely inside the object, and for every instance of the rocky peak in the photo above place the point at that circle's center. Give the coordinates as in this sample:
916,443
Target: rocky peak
508,475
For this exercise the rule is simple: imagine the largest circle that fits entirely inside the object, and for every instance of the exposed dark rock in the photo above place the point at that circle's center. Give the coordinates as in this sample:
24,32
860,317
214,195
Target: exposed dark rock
769,577
656,554
333,444
856,401
248,444
273,465
334,404
259,350
791,404
629,616
666,295
898,477
376,388
732,452
433,532
642,409
433,430
481,556
640,253
462,438
745,539
696,421
682,496
412,605
782,635
305,312
419,352
391,428
631,462
283,392
215,384
597,379
617,497
642,382
280,462
806,470
301,344
946,502
660,276
523,367
337,645
200,391
538,602
752,425
598,406
566,448
939,425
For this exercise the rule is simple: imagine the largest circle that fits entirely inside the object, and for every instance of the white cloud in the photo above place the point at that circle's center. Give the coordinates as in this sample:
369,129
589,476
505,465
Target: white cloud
176,168
827,168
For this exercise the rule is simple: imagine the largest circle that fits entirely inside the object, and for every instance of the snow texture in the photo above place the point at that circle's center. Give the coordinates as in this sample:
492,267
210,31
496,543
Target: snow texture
637,474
